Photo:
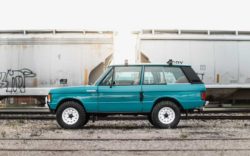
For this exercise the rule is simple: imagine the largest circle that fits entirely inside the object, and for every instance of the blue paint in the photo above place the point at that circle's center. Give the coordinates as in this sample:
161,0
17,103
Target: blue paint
112,99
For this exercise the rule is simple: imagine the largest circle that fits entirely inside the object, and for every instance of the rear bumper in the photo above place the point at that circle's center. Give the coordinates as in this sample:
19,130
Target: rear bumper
207,102
202,108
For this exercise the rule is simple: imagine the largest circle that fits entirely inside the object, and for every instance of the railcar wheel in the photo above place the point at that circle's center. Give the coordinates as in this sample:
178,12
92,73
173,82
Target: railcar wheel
71,115
165,114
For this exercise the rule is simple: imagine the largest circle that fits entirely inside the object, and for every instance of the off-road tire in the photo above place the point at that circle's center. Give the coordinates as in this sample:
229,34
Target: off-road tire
169,105
80,122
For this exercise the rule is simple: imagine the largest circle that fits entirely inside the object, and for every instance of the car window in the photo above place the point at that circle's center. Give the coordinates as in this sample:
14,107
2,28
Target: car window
154,76
124,76
191,75
174,75
103,75
107,80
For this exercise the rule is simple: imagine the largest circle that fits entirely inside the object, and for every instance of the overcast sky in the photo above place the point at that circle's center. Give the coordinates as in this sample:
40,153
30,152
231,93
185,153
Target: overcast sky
126,15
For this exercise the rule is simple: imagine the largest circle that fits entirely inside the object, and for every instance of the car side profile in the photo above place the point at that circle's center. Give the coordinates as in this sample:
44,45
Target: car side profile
159,91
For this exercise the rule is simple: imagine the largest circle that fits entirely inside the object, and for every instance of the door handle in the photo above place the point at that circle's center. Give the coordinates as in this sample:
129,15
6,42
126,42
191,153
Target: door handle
91,91
141,96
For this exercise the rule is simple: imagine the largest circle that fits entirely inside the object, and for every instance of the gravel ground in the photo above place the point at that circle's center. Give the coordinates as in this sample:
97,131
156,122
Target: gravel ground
192,137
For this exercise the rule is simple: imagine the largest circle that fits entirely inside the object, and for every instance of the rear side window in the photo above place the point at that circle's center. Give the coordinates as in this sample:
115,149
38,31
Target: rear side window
174,75
191,75
163,75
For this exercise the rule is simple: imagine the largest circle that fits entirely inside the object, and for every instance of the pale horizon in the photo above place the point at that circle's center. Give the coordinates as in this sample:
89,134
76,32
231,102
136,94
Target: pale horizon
125,15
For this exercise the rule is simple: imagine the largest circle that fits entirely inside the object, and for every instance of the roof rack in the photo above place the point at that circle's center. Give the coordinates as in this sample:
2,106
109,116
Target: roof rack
171,62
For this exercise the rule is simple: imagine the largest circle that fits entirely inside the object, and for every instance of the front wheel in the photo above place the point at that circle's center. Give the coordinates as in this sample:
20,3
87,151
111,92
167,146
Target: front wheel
165,114
71,115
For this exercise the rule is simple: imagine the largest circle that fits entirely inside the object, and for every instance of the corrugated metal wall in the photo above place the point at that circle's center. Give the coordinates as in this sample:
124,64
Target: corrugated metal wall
219,57
33,61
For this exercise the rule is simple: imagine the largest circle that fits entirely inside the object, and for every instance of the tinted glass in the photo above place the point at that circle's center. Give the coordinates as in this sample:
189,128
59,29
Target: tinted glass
191,75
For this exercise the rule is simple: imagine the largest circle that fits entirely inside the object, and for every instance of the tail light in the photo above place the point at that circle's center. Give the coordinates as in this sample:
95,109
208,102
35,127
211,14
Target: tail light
203,96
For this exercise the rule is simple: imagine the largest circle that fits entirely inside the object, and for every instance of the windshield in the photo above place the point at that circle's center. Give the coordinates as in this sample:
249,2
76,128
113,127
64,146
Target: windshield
102,75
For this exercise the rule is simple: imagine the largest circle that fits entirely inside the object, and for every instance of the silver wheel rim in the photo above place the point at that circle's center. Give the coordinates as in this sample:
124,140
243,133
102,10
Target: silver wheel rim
70,116
166,115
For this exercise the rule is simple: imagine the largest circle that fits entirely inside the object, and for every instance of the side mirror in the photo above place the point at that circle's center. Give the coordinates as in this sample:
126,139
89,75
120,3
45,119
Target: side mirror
111,84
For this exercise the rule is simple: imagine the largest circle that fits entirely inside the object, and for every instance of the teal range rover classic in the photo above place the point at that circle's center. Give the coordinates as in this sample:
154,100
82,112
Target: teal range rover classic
159,91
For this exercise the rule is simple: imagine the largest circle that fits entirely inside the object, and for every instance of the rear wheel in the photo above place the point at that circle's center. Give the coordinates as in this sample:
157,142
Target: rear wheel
71,115
166,114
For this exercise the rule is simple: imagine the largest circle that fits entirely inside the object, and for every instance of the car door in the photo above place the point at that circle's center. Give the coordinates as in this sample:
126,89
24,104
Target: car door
119,91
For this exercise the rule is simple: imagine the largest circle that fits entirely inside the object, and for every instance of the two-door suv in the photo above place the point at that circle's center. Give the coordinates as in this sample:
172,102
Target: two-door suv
159,91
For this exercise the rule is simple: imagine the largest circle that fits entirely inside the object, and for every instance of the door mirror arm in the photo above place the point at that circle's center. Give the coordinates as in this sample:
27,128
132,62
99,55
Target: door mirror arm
111,84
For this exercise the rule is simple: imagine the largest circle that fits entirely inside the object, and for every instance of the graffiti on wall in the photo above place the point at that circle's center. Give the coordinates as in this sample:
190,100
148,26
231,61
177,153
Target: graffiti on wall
14,80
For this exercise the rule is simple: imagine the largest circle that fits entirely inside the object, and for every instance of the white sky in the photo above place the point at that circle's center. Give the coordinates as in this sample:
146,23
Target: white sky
126,14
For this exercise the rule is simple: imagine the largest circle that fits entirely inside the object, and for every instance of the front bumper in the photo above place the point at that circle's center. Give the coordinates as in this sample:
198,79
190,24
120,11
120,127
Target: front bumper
49,104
